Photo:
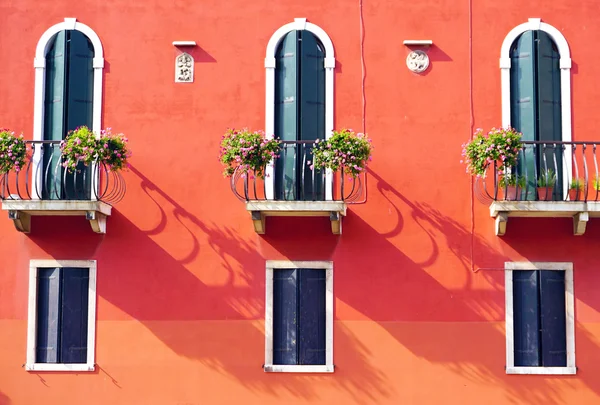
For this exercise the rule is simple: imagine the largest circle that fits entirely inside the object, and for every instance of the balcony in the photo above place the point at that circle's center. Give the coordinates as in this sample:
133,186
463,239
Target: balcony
557,179
292,188
45,188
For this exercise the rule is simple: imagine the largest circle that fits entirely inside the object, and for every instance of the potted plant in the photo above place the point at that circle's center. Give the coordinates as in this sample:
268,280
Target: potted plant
13,152
500,146
112,150
546,184
247,151
575,189
510,184
79,146
345,150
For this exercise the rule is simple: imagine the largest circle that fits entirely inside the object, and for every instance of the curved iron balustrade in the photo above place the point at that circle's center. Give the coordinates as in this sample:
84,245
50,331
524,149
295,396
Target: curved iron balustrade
567,160
300,183
46,179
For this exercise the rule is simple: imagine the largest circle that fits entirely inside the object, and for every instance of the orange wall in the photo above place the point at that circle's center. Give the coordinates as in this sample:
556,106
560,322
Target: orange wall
181,272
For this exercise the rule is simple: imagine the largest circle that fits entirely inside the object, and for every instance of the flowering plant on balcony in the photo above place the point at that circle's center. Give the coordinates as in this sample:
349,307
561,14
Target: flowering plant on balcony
13,151
78,146
247,151
344,150
112,150
500,145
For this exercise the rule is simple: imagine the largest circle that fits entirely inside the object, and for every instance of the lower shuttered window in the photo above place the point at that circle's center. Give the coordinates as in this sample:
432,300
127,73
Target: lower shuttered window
61,315
540,318
299,317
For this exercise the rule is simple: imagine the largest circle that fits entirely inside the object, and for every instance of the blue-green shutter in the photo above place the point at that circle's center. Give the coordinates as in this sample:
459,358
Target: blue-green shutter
553,318
74,316
285,316
54,114
549,106
286,115
48,316
312,111
523,101
526,316
311,325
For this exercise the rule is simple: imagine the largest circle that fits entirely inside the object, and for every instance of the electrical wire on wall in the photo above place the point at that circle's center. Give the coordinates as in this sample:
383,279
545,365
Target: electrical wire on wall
471,129
363,79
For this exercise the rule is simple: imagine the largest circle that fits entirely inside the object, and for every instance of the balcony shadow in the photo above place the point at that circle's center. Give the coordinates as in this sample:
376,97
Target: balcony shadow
4,400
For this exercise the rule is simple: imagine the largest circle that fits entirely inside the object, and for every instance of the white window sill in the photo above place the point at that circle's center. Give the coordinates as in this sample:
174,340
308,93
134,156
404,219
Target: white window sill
59,367
542,370
281,368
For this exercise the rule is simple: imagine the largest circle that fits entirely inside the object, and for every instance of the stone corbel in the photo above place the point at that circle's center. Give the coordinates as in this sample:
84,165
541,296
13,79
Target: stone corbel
97,221
21,220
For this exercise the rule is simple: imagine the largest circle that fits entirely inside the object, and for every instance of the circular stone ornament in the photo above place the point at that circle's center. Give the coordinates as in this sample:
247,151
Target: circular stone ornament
417,61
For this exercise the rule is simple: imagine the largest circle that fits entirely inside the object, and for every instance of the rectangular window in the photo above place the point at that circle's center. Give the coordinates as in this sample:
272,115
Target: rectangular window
62,308
299,317
540,326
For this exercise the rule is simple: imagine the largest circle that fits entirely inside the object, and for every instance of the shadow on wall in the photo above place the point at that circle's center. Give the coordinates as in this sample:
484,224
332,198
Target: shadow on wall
4,400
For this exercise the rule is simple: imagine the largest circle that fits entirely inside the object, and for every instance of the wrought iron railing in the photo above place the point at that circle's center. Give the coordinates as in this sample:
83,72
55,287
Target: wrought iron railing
292,178
546,171
45,178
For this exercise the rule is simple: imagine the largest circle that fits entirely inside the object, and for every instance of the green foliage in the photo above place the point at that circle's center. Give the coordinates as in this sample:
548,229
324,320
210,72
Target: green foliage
78,146
13,151
547,179
344,150
596,183
112,150
501,145
512,180
576,184
247,151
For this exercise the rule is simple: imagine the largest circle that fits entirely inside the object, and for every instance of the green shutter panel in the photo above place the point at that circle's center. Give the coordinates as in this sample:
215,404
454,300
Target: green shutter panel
526,318
311,325
80,101
54,114
523,101
312,112
549,106
286,115
553,318
285,316
74,315
48,316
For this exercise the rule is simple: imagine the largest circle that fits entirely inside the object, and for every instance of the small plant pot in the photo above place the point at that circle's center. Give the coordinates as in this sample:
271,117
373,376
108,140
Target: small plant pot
510,193
573,194
545,193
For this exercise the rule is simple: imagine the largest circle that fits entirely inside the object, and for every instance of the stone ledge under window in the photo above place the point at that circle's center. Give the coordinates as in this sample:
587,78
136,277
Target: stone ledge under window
581,212
259,210
21,211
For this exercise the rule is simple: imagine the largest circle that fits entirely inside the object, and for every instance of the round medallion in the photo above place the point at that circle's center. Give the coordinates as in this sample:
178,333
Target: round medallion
417,61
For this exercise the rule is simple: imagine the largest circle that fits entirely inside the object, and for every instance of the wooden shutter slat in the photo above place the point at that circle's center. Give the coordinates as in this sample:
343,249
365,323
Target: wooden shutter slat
48,316
75,292
285,319
526,318
311,339
553,318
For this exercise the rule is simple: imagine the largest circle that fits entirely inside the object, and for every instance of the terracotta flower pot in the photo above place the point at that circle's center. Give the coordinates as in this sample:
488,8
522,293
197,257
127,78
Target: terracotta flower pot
545,193
573,194
510,193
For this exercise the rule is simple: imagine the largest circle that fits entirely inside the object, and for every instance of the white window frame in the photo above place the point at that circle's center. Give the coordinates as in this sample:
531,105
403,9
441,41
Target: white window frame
536,24
274,265
30,364
299,24
569,314
39,63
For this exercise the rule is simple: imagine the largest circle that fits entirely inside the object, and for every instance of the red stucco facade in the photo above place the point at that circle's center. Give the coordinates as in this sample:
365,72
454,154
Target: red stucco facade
418,281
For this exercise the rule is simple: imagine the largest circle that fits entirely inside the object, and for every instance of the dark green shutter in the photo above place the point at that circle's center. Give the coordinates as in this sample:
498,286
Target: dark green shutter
74,316
48,316
312,111
54,114
549,106
553,318
286,115
311,325
526,323
81,81
523,100
285,317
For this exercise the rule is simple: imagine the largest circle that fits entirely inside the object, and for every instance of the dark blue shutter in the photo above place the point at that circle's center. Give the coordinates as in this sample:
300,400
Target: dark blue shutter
549,105
312,110
48,316
285,319
523,101
286,115
54,114
526,318
74,320
553,318
311,294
